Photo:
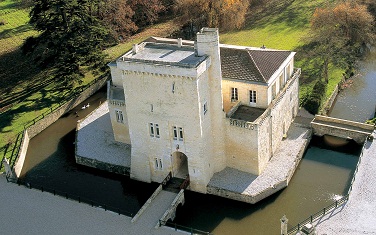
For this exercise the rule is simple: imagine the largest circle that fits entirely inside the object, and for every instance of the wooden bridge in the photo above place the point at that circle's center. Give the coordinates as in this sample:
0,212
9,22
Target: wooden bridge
323,125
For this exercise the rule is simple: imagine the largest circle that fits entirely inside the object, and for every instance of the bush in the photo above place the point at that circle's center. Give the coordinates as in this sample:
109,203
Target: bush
313,102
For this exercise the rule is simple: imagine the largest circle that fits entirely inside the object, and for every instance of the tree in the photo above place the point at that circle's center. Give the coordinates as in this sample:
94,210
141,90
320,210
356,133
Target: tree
117,17
146,11
224,14
71,37
338,32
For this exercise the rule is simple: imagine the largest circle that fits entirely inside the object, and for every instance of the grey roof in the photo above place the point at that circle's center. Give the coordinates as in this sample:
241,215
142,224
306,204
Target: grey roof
239,63
251,64
161,53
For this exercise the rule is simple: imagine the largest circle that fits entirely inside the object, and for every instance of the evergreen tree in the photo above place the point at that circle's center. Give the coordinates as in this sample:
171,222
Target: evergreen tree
71,37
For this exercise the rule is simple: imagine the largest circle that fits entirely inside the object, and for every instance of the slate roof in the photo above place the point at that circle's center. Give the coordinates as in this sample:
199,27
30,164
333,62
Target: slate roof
256,65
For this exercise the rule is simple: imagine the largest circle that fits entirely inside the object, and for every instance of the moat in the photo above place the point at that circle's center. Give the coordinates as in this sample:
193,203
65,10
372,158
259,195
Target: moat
322,176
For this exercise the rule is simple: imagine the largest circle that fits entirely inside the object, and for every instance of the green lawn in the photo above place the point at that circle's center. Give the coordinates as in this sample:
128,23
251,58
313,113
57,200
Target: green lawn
29,90
283,25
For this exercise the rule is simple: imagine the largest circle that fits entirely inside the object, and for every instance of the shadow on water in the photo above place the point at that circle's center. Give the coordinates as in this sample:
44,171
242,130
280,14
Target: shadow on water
51,161
322,176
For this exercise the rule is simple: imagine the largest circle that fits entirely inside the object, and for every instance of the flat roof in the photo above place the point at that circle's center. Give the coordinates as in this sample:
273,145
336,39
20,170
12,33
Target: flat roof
247,113
165,54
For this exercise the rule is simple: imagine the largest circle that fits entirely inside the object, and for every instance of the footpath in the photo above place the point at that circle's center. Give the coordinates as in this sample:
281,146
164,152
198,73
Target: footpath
358,215
28,211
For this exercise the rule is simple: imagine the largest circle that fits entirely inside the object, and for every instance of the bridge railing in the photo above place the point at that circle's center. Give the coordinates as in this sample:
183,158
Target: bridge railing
334,205
70,196
318,214
185,183
178,227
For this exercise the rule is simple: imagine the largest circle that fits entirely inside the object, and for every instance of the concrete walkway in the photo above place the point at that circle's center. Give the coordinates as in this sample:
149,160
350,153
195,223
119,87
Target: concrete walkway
95,139
358,215
28,211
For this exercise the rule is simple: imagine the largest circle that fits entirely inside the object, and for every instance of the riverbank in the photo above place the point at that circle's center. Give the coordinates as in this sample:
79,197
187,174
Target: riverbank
357,216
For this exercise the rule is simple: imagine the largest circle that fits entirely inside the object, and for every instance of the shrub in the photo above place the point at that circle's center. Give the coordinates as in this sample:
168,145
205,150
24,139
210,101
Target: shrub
313,102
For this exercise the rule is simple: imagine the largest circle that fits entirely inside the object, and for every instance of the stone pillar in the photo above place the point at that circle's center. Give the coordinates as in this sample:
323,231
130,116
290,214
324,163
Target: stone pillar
284,222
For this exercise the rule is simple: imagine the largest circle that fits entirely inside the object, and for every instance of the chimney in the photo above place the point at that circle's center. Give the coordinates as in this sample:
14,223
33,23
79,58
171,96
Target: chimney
207,41
180,42
134,49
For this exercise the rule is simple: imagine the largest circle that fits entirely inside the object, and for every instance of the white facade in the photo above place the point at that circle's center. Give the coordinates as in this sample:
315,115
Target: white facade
171,101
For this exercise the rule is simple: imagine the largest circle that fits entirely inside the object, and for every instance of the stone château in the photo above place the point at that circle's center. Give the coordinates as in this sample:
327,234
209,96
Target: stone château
193,108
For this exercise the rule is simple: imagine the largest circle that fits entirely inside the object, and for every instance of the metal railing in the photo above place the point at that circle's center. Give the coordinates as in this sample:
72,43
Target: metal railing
334,205
185,183
319,214
71,196
14,146
178,227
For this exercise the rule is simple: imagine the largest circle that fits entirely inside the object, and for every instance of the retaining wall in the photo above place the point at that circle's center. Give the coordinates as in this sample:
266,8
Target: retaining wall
50,118
123,170
42,124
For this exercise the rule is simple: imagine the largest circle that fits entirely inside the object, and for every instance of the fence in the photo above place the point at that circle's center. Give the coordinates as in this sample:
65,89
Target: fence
183,228
12,149
319,214
327,209
70,196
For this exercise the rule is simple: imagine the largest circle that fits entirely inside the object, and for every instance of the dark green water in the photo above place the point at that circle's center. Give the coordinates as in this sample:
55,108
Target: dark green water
322,176
50,163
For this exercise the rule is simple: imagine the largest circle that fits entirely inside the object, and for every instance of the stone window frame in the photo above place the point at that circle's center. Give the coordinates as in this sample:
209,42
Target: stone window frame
154,130
158,165
234,94
178,133
119,116
252,96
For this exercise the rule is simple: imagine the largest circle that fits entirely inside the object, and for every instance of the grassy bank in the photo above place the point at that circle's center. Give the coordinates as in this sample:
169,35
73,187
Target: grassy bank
27,91
283,25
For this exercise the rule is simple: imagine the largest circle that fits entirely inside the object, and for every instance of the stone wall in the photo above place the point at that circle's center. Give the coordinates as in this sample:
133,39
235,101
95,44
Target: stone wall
21,155
48,119
323,125
42,124
123,170
241,146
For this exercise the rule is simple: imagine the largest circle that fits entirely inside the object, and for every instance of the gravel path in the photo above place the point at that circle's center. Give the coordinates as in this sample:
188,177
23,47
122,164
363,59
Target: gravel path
358,215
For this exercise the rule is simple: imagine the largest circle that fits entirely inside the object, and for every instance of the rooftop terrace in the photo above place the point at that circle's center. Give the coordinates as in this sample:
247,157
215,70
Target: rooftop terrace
162,53
247,113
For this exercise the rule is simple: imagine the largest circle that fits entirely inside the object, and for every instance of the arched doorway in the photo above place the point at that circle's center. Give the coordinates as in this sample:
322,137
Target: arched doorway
179,165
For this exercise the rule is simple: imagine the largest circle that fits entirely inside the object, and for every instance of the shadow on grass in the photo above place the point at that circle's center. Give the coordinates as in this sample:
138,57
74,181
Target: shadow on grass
276,12
14,31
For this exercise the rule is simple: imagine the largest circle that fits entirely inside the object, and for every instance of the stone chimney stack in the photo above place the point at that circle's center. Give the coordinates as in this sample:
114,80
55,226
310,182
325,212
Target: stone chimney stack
207,41
134,49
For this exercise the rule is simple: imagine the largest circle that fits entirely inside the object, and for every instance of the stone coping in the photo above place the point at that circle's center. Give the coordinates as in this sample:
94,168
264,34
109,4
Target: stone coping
242,186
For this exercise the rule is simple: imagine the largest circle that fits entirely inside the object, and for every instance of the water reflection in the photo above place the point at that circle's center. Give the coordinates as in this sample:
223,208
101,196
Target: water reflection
357,102
322,176
50,162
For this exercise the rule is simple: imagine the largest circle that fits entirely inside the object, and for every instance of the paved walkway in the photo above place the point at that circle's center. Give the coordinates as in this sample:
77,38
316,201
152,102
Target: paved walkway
358,215
28,211
95,139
